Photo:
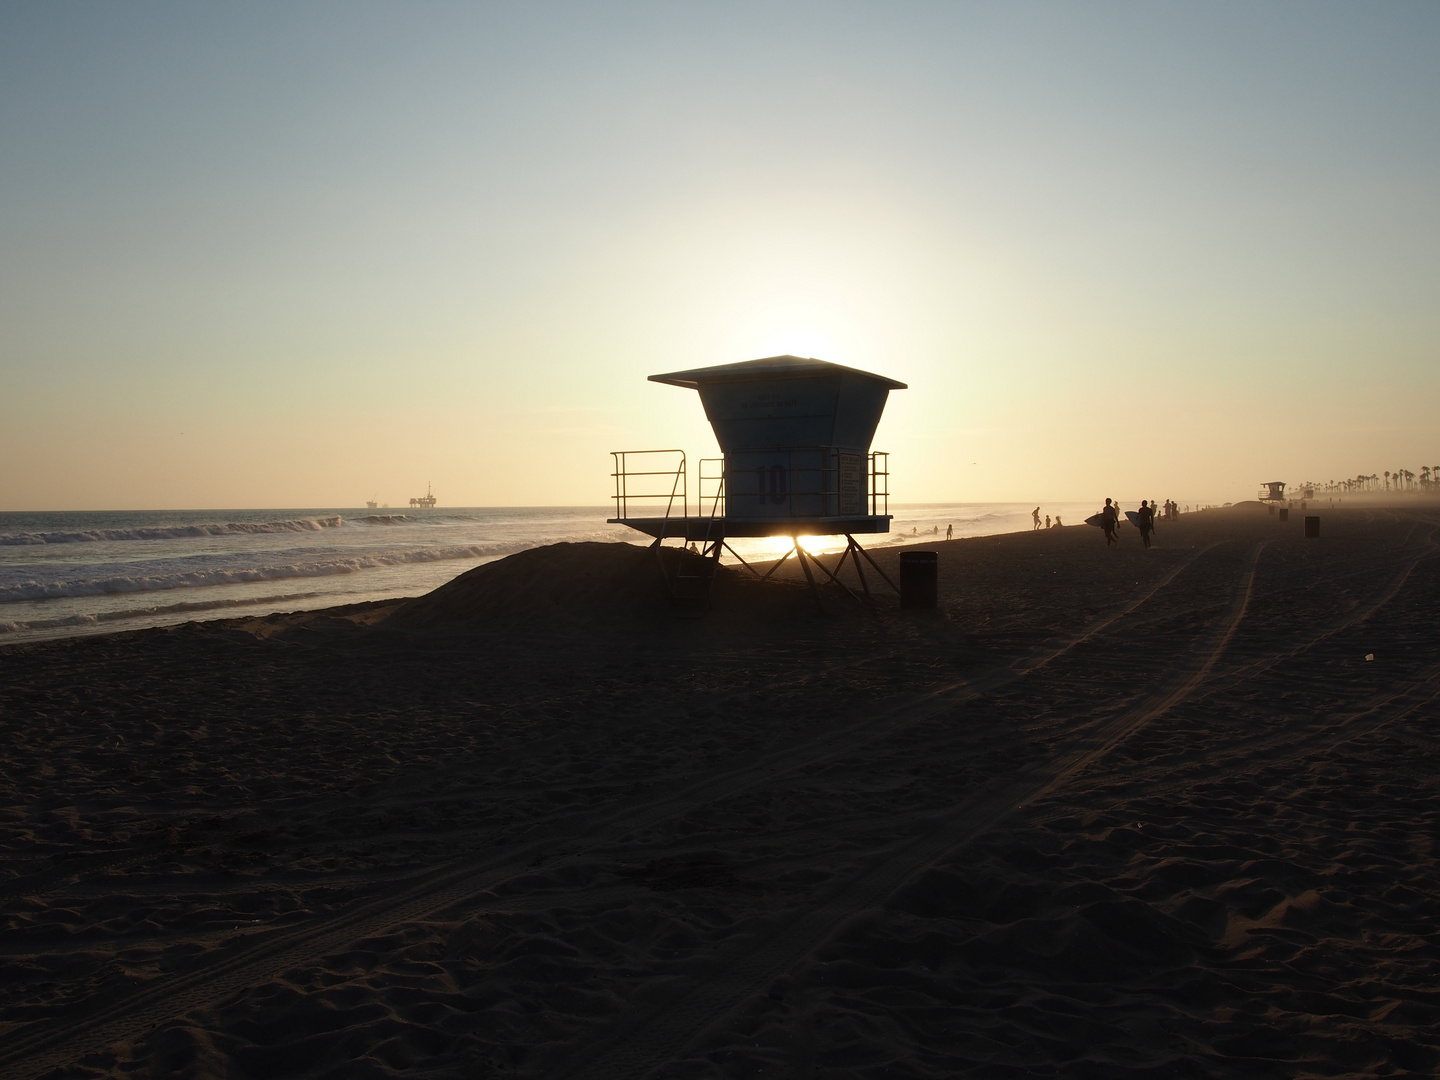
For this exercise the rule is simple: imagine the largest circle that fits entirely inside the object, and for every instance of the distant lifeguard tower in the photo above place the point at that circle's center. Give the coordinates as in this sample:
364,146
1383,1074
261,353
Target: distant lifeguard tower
1272,491
795,434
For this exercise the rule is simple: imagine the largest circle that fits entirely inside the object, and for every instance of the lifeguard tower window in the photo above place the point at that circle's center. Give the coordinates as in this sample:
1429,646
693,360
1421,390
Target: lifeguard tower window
795,434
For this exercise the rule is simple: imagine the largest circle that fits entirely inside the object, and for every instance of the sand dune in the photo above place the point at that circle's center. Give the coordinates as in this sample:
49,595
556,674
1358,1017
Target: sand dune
1106,813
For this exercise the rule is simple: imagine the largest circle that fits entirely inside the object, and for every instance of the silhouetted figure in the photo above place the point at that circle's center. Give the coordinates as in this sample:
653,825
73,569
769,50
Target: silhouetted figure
1146,522
1108,518
1036,515
1058,522
949,531
1047,521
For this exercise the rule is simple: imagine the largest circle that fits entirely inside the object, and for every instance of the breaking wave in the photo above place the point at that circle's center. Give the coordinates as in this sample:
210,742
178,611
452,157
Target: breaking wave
173,532
322,566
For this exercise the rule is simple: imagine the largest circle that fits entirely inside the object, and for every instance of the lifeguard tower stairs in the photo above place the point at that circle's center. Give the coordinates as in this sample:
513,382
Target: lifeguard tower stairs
795,434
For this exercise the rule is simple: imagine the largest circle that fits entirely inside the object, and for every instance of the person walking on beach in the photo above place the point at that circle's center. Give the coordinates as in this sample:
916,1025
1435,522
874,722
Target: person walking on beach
1146,522
949,531
1036,515
1108,517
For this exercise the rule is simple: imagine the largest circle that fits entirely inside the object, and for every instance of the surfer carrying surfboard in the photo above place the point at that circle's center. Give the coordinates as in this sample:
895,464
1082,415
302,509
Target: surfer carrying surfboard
1109,517
1145,521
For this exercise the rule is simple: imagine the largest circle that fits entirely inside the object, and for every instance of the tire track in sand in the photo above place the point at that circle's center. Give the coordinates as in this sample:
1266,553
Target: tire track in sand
1379,710
1249,671
45,1046
1376,713
646,1041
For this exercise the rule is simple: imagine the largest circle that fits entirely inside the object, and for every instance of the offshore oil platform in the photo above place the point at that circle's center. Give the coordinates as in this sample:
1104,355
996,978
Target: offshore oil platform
795,434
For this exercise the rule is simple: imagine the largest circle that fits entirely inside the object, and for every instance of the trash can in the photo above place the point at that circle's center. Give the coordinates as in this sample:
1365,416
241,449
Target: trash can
1312,528
919,579
1284,513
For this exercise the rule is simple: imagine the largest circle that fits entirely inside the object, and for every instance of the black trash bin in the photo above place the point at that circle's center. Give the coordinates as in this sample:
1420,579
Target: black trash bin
919,579
1312,528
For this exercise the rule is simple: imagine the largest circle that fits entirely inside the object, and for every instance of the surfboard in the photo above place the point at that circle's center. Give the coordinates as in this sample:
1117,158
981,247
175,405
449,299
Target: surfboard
1098,520
1133,516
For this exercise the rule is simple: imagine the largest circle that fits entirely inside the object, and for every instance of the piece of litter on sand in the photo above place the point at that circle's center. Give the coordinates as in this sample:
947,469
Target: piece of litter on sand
1369,656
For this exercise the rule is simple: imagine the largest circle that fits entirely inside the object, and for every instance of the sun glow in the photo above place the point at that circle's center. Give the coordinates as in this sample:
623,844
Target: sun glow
763,548
800,341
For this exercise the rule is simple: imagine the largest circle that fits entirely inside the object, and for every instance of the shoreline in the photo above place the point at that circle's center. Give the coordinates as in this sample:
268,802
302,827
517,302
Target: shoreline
95,607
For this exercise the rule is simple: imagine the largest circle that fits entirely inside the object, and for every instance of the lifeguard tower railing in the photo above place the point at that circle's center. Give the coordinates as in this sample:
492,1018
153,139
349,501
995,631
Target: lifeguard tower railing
649,482
754,491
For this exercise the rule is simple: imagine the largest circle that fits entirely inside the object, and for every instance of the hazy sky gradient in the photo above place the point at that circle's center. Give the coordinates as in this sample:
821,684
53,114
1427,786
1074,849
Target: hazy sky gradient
296,255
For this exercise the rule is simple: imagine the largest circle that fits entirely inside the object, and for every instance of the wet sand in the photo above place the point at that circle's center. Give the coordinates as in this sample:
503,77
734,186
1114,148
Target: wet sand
1106,813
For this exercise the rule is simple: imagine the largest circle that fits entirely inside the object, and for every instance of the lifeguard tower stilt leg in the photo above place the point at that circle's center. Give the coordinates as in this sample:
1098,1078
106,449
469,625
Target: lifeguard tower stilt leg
835,576
853,551
861,551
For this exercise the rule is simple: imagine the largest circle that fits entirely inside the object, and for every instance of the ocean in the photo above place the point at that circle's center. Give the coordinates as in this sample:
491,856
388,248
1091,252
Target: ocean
79,572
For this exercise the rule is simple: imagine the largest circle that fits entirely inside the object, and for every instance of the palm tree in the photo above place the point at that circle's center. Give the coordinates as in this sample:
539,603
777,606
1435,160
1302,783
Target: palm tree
1387,479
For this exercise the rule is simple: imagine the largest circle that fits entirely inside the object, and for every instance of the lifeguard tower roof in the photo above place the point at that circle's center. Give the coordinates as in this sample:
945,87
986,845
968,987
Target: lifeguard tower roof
769,367
788,401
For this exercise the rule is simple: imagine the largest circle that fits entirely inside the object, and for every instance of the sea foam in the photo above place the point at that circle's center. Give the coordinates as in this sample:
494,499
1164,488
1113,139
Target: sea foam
320,566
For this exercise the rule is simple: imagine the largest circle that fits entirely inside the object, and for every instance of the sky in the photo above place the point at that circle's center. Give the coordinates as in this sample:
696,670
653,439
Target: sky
281,255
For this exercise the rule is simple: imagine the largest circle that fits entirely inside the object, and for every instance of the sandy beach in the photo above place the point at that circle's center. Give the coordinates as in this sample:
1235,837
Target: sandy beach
1107,813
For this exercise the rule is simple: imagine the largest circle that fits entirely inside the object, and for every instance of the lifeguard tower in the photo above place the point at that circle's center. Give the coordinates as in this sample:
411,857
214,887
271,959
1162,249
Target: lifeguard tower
1272,491
795,434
